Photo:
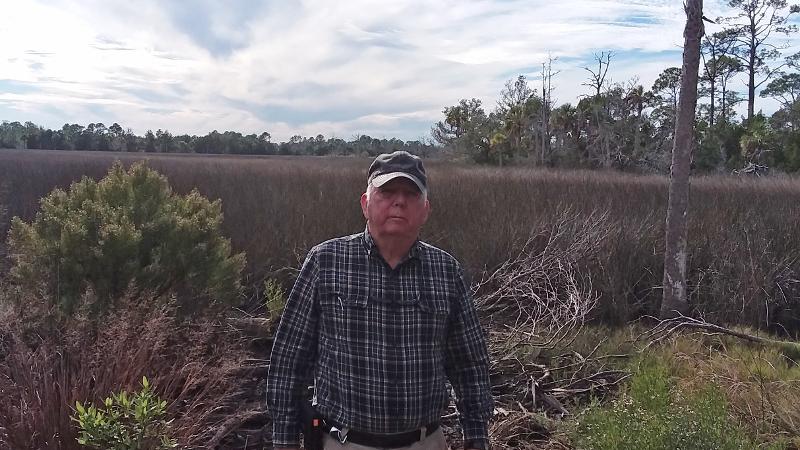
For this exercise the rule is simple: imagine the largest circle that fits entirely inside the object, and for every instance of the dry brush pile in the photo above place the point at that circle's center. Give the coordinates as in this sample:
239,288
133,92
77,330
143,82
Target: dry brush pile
533,306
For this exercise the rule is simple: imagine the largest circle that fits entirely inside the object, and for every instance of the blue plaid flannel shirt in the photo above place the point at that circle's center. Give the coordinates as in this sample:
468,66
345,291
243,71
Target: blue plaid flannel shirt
379,343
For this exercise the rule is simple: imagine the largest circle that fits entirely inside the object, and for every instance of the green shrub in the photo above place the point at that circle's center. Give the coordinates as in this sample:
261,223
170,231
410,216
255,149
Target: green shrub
125,423
654,414
275,299
127,228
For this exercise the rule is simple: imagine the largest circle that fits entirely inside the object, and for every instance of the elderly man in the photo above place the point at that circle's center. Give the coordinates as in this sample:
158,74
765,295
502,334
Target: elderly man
380,321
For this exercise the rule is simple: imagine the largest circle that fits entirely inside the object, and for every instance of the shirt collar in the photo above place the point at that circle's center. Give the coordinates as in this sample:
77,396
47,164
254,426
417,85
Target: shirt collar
372,248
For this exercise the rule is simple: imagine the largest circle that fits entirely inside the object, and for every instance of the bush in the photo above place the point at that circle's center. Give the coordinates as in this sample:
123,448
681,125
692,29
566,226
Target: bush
274,298
654,414
125,423
127,228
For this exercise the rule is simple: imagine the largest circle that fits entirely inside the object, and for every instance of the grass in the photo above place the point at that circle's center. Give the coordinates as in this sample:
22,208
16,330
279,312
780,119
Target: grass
48,362
653,414
694,391
761,382
744,245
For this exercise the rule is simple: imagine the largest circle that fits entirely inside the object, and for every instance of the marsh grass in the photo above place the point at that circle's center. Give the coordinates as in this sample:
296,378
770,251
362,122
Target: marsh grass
744,245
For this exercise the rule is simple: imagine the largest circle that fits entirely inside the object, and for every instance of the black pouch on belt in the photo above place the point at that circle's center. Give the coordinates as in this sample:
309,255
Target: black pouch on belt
312,426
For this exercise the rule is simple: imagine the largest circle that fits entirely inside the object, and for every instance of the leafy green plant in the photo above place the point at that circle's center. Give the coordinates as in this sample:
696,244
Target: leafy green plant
275,299
128,228
655,414
123,422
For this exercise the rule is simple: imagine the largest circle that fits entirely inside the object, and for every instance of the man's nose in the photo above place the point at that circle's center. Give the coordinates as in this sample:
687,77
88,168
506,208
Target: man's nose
401,198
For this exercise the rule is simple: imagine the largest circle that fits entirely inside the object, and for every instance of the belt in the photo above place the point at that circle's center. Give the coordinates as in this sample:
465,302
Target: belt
397,440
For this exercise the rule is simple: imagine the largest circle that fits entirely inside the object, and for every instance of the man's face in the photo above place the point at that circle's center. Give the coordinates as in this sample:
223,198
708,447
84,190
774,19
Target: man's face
396,209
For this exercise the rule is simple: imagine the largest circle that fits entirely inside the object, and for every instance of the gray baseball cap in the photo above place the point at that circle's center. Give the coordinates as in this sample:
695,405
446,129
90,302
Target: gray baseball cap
389,166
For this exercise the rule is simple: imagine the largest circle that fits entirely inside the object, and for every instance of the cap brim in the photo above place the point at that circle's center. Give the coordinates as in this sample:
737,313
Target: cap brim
380,180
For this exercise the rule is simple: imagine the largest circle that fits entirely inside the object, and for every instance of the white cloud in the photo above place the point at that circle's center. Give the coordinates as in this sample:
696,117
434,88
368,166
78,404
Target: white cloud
343,68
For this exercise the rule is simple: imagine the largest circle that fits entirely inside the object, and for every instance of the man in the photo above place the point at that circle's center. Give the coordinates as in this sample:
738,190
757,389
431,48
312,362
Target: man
380,320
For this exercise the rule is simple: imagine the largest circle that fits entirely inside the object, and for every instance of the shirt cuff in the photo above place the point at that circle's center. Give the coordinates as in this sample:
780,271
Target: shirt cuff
476,444
285,434
476,430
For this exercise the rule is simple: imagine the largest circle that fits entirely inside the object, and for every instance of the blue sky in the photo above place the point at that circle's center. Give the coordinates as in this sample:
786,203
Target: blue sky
383,68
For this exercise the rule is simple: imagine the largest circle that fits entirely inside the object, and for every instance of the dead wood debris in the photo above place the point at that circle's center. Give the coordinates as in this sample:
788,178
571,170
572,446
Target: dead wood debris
533,306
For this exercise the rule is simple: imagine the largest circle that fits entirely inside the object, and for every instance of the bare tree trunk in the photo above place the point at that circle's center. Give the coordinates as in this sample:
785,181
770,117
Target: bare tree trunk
751,86
723,155
712,112
724,103
674,300
547,103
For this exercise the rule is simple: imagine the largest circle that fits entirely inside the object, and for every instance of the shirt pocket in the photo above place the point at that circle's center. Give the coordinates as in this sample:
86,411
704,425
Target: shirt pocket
345,314
432,303
432,313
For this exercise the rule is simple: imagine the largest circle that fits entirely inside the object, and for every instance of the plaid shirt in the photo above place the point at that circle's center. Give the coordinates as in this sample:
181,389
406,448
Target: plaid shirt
379,342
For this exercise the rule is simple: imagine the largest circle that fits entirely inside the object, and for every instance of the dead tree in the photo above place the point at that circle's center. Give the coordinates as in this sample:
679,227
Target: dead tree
547,105
598,79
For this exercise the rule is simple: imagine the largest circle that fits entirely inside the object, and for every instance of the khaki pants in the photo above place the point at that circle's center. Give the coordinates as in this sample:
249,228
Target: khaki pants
435,441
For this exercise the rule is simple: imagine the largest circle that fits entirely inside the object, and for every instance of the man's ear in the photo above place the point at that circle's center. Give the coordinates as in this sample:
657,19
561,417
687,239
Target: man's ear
364,202
428,210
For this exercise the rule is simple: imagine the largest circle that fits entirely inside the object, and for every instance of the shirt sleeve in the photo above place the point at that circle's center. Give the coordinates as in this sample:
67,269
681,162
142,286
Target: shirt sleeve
292,357
467,366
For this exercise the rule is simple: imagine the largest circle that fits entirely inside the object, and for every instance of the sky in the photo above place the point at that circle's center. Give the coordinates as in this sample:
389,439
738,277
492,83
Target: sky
337,68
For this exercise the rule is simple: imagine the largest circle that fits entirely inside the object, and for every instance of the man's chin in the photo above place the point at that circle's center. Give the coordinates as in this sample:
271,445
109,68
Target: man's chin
399,231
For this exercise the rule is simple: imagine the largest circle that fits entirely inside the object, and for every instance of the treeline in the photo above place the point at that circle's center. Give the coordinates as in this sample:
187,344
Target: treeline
627,126
96,136
614,125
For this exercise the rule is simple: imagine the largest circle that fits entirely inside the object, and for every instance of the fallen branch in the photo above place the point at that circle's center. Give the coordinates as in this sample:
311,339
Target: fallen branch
668,327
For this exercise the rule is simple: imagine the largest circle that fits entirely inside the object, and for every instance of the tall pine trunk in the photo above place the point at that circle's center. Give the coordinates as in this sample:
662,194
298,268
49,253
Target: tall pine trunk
674,300
751,86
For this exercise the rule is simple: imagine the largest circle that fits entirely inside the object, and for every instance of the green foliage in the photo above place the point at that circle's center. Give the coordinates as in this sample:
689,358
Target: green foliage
465,128
127,228
123,422
719,148
785,121
710,153
758,140
654,414
275,299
